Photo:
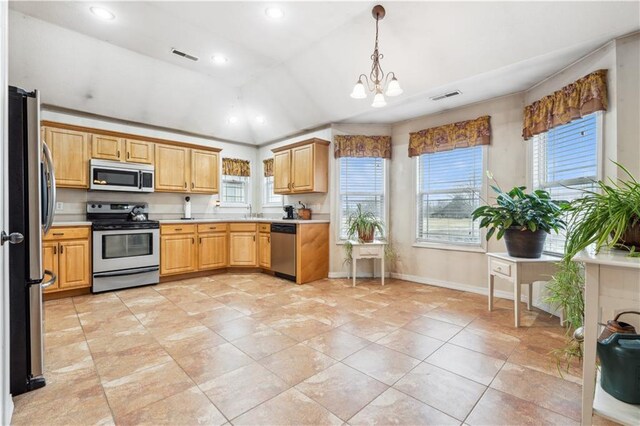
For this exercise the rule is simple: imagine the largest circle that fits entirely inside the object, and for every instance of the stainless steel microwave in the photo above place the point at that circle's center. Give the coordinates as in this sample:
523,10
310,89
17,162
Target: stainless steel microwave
116,176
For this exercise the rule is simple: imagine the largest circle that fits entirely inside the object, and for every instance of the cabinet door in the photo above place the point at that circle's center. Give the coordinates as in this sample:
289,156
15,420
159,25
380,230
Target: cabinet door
281,172
264,244
106,147
302,168
242,249
213,251
73,264
204,171
139,151
172,168
50,262
70,157
177,254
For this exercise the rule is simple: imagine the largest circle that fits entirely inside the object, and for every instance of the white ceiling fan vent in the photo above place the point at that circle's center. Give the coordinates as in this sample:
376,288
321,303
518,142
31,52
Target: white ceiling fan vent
446,95
183,54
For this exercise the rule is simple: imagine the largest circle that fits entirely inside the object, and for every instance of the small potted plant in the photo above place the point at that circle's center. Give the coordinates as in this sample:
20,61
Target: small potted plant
364,224
608,217
524,219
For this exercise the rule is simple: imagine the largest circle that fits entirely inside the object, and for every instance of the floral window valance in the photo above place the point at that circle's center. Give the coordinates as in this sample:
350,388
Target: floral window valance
462,134
267,165
582,97
362,146
235,167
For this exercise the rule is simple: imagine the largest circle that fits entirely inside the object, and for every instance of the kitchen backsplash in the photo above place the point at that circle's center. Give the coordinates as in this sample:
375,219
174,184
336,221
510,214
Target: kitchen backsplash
164,205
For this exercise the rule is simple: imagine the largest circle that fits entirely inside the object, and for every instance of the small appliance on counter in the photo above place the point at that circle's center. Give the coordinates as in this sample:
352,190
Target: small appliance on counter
126,245
187,209
288,210
619,354
303,212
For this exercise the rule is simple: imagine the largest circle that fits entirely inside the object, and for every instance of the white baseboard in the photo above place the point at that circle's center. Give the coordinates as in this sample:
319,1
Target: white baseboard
341,274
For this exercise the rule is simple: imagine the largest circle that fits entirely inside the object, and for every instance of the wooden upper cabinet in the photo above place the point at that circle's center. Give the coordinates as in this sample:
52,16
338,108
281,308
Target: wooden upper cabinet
139,151
172,168
69,149
302,167
107,147
281,171
204,171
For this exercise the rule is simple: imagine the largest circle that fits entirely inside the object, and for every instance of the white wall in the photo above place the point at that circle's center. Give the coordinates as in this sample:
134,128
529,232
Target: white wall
628,102
162,205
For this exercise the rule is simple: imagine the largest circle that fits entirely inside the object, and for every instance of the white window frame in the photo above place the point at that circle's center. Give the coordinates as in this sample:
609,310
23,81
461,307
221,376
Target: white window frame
338,209
265,194
599,159
480,247
247,193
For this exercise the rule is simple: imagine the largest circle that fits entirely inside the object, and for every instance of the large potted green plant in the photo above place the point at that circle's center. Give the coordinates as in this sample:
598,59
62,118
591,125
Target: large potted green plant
606,217
364,224
524,219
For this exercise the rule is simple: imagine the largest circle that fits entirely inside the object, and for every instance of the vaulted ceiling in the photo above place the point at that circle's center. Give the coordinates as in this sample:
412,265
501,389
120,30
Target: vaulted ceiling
296,72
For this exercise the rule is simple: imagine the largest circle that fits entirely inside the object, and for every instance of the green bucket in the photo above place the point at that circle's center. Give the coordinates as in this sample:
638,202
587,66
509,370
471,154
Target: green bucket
620,366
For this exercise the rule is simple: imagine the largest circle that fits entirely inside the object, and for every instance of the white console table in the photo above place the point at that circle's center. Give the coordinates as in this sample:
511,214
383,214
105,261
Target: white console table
374,250
612,285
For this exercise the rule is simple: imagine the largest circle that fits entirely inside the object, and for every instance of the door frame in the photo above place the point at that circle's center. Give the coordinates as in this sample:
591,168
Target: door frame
6,403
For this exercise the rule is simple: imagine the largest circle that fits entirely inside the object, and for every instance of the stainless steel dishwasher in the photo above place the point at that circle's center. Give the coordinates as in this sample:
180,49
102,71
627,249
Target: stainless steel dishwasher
283,250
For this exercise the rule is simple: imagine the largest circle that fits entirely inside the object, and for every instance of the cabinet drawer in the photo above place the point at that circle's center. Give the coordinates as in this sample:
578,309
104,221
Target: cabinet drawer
61,233
242,227
367,251
264,227
177,229
212,227
502,268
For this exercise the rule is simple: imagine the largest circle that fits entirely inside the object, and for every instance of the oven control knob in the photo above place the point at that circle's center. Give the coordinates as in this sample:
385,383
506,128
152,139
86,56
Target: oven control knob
93,206
99,206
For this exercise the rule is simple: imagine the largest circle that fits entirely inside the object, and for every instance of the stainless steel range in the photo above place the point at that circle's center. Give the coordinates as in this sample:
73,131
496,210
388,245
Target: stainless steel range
126,245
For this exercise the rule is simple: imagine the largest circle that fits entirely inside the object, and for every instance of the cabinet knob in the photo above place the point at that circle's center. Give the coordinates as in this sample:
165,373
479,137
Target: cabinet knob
61,249
128,155
118,153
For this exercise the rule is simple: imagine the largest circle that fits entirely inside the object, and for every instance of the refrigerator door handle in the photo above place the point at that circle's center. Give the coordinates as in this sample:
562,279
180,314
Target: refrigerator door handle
35,190
51,187
51,281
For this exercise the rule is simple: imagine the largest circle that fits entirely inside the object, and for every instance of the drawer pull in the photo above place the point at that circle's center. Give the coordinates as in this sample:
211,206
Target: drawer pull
57,234
177,229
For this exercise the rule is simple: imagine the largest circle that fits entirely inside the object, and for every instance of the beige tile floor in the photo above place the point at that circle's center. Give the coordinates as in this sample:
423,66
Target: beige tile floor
252,349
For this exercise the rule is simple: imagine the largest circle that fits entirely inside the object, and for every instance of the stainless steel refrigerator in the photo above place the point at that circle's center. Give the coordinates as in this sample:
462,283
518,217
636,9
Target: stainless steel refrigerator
31,185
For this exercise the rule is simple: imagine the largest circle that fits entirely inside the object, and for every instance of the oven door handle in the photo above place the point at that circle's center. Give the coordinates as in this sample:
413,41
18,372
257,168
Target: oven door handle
125,273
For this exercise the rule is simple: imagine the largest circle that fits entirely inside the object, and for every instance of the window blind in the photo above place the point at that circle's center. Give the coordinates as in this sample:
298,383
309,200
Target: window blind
362,181
565,161
235,189
269,197
449,187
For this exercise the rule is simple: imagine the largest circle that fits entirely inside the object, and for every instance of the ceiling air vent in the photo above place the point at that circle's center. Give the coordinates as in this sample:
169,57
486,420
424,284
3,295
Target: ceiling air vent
446,95
184,55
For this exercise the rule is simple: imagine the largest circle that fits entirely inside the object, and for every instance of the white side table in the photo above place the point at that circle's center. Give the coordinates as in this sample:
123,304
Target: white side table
612,285
519,271
374,250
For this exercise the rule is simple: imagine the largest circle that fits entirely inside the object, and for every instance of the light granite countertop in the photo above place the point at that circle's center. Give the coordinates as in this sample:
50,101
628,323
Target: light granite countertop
204,220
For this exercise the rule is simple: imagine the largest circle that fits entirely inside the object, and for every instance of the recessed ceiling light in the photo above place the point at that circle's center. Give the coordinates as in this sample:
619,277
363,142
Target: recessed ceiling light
219,59
260,119
102,13
233,119
274,12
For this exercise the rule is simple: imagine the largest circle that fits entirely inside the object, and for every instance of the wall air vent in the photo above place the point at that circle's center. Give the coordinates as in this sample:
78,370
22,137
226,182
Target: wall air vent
446,95
184,55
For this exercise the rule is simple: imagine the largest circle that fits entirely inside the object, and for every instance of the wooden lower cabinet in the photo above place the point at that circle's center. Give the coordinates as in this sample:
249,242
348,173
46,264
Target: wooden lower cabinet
178,254
67,253
264,250
212,252
243,248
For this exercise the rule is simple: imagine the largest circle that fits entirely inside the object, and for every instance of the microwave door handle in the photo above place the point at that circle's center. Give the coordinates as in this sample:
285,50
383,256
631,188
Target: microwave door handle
140,179
51,187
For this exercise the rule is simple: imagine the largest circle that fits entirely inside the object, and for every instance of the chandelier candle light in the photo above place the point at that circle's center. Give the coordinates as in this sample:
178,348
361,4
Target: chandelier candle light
377,80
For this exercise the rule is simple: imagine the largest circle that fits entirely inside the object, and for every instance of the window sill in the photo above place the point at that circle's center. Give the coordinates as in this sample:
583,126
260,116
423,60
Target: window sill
234,205
451,247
